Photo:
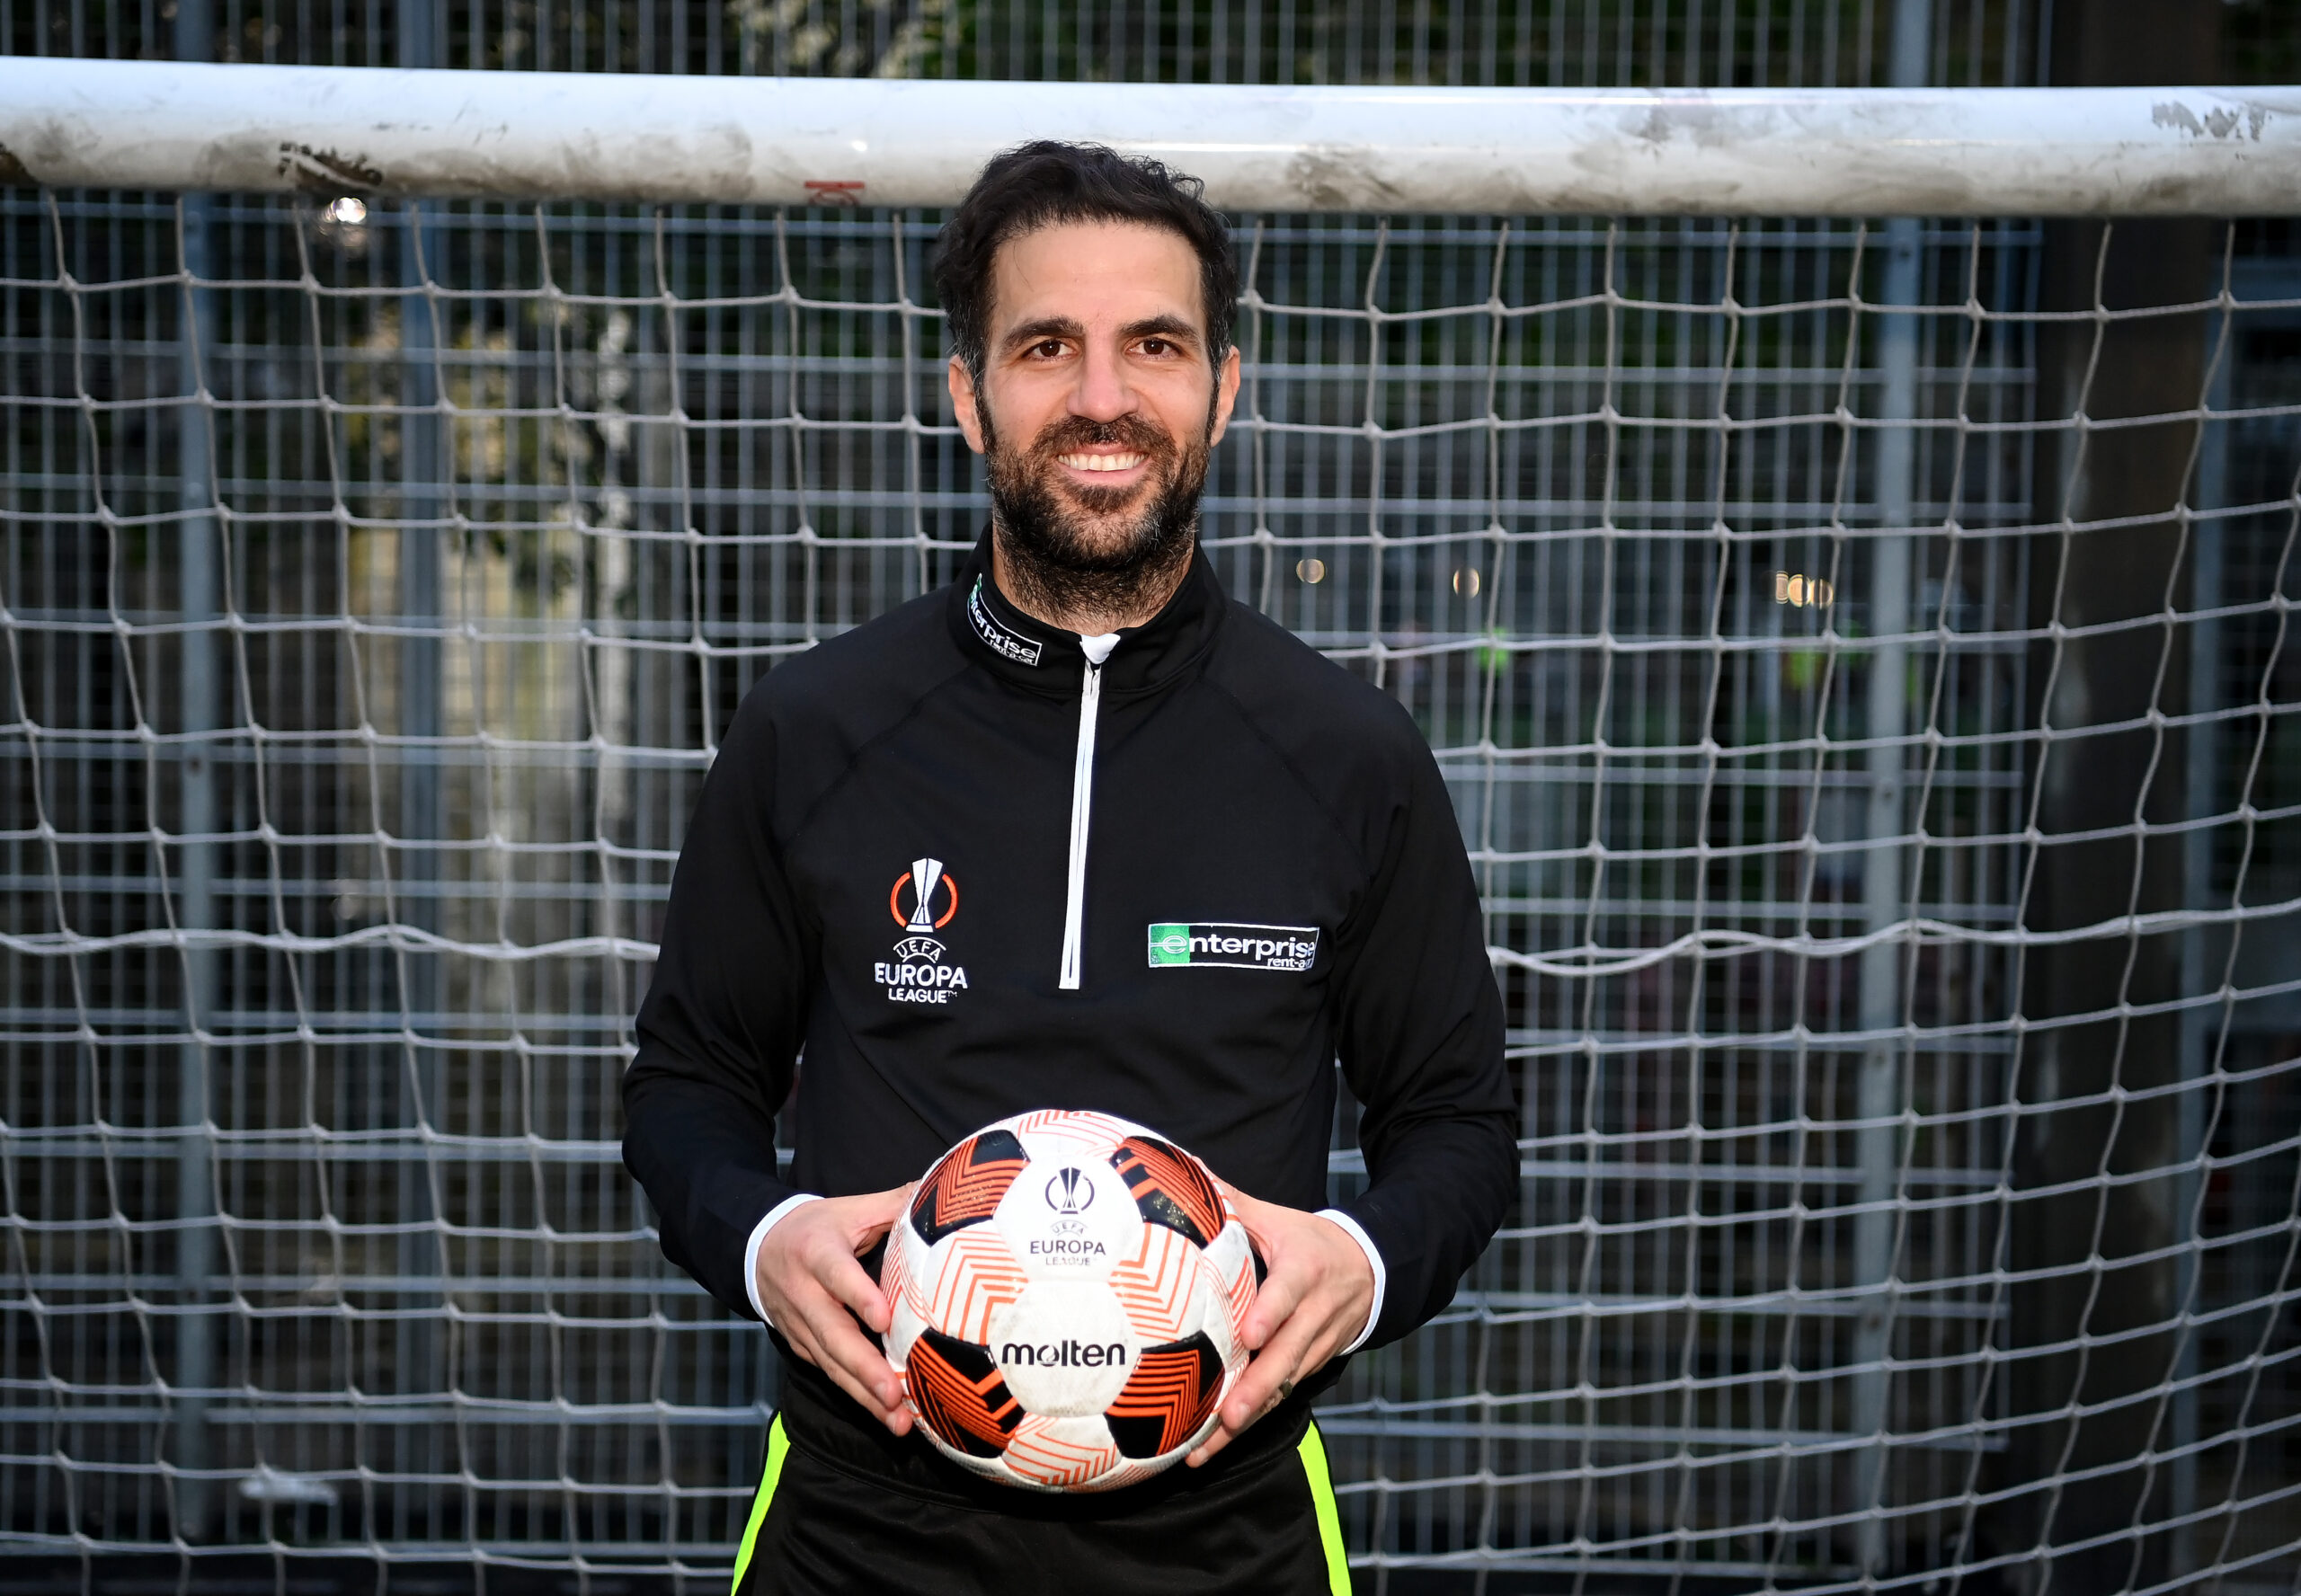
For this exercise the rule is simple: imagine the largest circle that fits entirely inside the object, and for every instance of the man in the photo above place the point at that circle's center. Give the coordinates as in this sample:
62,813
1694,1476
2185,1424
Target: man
1080,743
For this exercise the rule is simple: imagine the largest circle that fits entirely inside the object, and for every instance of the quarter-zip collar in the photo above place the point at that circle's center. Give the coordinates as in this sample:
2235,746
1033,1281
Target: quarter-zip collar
1047,659
1043,659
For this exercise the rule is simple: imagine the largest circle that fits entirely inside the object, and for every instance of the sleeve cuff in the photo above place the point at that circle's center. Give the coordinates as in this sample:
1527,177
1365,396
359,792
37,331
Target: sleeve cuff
774,1216
1352,1229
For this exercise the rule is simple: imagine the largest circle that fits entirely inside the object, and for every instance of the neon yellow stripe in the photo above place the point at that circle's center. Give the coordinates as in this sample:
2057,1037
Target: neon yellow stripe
777,1445
1314,1463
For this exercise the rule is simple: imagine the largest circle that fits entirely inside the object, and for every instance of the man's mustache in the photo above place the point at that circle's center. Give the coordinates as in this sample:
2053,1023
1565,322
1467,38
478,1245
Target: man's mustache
1130,433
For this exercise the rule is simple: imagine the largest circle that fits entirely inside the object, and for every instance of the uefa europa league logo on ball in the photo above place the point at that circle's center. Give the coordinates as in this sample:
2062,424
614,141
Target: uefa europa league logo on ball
1069,1193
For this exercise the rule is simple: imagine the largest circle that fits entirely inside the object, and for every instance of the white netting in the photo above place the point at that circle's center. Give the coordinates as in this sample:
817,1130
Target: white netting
1875,732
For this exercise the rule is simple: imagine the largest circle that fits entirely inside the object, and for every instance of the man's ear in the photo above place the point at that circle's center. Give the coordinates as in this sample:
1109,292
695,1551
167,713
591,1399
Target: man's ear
1226,396
962,401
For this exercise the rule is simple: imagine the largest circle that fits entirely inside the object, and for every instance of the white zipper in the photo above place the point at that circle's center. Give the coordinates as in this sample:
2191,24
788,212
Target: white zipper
1082,806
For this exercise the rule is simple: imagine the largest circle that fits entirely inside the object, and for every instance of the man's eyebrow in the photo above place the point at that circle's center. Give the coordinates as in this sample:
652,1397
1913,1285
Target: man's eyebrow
1161,326
1045,327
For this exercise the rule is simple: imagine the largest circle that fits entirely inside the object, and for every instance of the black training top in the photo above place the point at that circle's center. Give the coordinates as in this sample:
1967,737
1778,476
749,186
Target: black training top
880,870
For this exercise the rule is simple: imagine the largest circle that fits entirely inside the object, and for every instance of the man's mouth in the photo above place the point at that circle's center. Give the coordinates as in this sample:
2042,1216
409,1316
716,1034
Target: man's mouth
1122,462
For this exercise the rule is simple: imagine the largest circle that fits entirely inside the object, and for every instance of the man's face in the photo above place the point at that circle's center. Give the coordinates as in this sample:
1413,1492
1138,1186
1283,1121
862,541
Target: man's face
1099,403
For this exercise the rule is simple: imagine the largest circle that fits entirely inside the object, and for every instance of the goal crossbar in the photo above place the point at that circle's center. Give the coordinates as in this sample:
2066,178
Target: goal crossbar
2125,152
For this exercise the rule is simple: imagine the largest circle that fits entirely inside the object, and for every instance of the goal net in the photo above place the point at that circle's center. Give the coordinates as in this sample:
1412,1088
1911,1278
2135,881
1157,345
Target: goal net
1859,652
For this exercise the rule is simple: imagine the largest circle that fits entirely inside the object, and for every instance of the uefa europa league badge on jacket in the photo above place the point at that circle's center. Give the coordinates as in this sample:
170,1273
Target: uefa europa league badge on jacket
923,901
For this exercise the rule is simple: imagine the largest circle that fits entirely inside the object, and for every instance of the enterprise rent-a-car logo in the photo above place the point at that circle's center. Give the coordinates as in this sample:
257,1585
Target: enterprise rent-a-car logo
1236,947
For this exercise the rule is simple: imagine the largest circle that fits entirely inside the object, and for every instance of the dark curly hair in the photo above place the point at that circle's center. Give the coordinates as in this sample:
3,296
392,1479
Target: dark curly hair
1045,182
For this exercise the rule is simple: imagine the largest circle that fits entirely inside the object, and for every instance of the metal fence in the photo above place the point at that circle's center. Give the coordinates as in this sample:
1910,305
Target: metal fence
1873,728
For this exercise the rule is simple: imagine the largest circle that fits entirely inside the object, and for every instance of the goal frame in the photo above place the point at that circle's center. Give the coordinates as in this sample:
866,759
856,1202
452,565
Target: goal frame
537,136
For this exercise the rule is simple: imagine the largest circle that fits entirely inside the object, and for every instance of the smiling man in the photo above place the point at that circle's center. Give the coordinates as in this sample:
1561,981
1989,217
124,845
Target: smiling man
1075,766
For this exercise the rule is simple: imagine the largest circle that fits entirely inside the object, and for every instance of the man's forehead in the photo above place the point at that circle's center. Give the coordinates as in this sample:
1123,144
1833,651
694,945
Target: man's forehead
1095,271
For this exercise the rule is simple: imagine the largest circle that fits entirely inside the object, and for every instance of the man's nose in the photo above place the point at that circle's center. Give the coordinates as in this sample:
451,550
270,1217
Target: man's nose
1104,393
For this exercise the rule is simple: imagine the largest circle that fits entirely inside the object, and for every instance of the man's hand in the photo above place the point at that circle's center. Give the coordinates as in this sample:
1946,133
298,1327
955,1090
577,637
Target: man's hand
1313,1303
808,1280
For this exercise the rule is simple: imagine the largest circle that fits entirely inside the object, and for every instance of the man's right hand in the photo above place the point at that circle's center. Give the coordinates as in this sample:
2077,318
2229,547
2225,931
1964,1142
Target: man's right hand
808,1280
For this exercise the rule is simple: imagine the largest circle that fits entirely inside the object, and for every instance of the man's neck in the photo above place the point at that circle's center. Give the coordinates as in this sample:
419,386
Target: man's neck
1083,613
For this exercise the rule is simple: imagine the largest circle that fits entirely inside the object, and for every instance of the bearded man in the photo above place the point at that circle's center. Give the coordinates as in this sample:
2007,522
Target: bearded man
1085,738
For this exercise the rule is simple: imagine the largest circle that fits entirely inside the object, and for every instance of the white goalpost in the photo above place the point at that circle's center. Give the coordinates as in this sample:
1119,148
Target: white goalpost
1401,151
1839,544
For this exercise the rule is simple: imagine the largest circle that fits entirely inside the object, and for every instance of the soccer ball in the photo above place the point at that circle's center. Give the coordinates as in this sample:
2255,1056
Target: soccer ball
1069,1295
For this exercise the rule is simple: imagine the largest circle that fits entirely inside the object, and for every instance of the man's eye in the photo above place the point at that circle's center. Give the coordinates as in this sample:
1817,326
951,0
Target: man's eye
1049,349
1156,346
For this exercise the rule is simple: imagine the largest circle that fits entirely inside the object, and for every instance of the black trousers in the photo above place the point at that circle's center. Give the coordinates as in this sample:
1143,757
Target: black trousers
818,1529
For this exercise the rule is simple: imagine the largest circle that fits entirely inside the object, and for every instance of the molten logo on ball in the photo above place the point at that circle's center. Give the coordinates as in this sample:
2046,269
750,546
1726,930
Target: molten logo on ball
1070,1354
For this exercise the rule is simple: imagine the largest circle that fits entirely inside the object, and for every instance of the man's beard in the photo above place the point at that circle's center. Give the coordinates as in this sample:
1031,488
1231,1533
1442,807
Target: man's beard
1063,564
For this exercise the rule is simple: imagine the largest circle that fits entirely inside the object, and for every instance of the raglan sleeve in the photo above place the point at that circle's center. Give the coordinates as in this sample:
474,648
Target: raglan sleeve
721,1026
1419,1032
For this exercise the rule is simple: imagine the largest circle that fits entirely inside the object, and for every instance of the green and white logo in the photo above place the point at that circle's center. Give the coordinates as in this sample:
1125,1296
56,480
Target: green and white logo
1169,945
1233,946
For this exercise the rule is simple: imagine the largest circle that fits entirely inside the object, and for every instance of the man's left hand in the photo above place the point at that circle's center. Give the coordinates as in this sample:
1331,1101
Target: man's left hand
1313,1302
